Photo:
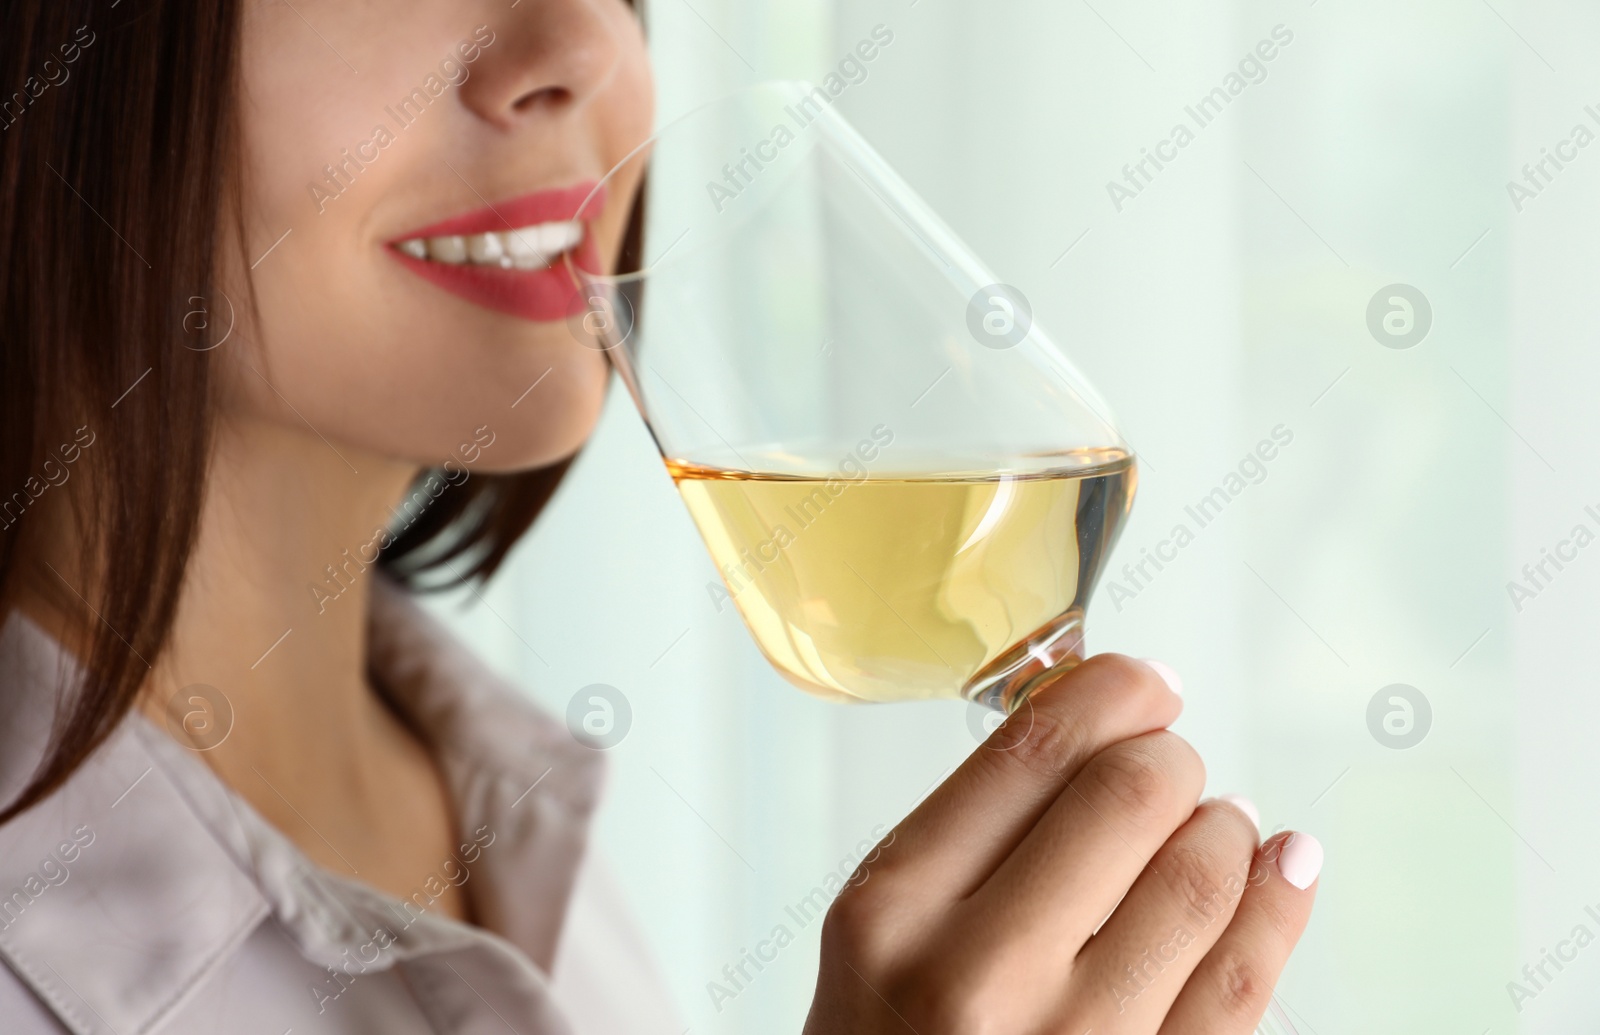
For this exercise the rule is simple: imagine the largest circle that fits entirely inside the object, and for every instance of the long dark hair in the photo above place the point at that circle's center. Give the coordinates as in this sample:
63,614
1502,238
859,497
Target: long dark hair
118,144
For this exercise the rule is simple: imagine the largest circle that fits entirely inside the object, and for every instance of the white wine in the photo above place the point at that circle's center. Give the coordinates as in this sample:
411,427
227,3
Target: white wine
887,588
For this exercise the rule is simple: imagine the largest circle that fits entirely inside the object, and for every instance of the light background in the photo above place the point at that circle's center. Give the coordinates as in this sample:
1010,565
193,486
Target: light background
1228,298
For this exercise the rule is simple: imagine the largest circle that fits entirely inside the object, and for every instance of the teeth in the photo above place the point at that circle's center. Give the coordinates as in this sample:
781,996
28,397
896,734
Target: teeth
524,248
558,237
447,249
485,249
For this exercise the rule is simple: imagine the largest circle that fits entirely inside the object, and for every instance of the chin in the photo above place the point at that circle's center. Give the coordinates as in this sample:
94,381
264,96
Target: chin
550,424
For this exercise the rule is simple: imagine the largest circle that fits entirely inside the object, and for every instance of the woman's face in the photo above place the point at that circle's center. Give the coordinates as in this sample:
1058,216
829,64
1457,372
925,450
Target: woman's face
412,183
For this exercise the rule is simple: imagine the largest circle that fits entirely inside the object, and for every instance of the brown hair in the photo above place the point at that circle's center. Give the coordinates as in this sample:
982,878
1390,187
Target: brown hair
118,141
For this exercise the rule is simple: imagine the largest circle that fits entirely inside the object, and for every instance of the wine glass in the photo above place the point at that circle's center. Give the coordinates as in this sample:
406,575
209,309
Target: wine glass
908,490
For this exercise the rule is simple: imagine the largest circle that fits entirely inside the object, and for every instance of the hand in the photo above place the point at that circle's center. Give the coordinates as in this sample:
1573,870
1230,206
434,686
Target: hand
1066,878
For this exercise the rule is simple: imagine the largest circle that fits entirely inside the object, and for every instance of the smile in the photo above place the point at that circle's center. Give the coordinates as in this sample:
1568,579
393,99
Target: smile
525,248
511,256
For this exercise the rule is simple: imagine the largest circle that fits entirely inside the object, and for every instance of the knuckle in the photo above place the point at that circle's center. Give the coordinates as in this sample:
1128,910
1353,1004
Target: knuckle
856,927
1149,774
1049,745
884,866
1195,877
1242,993
1133,777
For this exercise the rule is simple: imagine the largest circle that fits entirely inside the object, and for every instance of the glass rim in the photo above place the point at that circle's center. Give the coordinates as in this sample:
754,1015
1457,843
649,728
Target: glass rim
960,264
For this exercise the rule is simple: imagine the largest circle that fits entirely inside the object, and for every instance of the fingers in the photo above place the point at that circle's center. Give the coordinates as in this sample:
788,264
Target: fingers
1045,900
1229,991
956,838
1133,969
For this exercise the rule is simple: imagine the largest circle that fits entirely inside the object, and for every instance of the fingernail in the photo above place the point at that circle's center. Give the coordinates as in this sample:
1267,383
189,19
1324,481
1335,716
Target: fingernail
1246,806
1300,860
1168,676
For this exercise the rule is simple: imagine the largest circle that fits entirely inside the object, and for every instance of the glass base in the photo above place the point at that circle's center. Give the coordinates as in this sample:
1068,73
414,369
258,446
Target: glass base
1013,677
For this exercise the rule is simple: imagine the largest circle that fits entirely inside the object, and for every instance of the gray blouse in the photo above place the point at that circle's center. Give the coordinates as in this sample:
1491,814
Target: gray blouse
144,897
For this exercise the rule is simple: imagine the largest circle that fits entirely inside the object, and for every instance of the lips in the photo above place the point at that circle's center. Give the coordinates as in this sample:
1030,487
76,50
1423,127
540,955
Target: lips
511,256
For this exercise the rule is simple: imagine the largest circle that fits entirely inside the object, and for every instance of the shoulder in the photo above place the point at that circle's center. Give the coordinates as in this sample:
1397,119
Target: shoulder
116,897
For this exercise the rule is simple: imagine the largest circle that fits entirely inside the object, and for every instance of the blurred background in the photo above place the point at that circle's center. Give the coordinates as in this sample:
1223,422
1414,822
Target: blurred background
1364,653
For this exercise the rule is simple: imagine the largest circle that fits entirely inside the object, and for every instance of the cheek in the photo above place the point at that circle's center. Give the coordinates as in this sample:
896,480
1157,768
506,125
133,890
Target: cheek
552,421
415,389
636,87
346,340
626,117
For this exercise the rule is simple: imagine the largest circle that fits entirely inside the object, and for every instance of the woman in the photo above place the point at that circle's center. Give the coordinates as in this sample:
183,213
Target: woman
285,305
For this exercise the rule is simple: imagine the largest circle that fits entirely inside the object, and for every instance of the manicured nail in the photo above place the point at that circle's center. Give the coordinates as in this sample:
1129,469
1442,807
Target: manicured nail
1168,676
1300,860
1246,806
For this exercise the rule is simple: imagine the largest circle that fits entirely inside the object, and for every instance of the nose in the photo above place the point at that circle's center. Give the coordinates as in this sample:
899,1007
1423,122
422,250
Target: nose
547,57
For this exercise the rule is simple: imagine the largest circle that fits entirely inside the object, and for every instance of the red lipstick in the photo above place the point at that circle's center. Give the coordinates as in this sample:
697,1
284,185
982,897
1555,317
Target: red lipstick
539,295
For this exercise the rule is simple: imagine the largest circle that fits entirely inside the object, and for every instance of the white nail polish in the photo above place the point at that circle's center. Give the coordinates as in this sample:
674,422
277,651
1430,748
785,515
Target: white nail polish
1168,675
1300,860
1246,806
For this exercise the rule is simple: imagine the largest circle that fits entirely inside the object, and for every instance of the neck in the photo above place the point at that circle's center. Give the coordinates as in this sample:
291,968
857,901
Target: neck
260,619
274,608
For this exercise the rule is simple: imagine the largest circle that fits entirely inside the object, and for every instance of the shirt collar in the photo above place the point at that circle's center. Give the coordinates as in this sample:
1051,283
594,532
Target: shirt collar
123,890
